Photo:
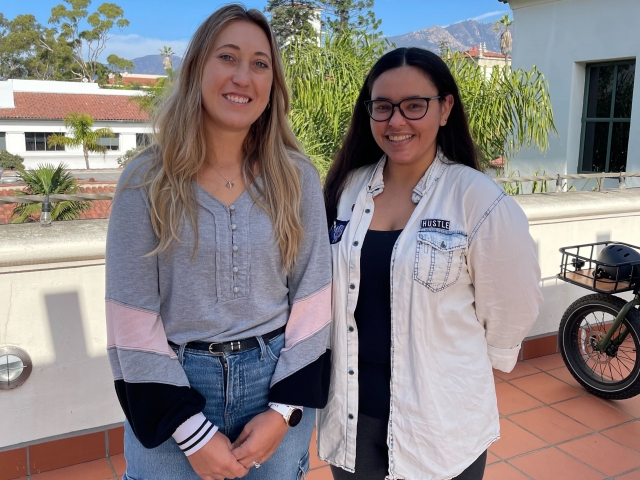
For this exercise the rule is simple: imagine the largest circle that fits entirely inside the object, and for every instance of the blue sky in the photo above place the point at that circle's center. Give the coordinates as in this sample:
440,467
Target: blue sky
163,22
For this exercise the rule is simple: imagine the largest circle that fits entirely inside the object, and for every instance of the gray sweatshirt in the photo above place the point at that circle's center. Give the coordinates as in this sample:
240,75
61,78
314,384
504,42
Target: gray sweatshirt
236,287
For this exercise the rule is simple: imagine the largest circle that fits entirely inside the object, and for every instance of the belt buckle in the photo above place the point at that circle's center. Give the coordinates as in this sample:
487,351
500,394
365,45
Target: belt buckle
234,345
211,345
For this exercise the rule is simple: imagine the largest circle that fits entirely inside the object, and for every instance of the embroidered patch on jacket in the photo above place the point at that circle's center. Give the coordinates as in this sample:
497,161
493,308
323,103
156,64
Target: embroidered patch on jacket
435,223
337,229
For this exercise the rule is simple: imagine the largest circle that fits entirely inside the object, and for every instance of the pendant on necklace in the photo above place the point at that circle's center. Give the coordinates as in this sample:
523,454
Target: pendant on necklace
229,185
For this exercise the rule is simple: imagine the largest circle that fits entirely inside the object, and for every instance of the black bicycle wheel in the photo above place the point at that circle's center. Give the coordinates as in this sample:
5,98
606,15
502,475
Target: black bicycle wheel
614,374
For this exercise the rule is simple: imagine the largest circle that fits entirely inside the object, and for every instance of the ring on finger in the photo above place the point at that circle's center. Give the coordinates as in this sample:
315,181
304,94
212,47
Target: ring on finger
256,464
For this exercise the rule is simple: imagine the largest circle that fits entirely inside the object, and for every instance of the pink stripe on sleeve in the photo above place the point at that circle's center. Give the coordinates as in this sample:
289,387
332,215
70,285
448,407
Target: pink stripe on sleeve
308,316
134,329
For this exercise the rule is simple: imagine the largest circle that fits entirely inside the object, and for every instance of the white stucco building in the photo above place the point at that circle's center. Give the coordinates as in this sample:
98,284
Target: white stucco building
587,50
31,110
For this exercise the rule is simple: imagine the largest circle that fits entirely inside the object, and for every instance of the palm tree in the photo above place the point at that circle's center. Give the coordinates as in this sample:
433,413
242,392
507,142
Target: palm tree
49,180
82,135
506,41
166,52
508,111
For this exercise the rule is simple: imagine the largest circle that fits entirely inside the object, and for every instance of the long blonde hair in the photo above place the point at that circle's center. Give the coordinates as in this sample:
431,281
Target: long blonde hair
268,149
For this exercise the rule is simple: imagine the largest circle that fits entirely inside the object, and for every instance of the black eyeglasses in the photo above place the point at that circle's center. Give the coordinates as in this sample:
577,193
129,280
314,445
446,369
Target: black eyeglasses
410,108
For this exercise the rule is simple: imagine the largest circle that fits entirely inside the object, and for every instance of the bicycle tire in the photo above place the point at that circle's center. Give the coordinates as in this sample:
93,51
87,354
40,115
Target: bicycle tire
575,351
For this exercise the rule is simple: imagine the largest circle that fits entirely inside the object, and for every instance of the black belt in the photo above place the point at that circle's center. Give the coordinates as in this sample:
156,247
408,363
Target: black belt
233,345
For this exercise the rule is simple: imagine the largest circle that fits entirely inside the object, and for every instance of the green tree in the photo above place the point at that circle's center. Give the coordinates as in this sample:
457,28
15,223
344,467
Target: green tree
154,95
118,65
506,42
508,111
48,180
81,135
87,45
29,50
291,18
324,81
345,16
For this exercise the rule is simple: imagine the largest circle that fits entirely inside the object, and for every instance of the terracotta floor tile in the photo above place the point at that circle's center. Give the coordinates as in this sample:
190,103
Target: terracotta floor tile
119,463
497,379
630,406
548,362
546,388
602,454
550,425
552,464
512,400
635,475
564,375
502,471
492,458
627,434
592,412
96,470
323,473
520,370
514,441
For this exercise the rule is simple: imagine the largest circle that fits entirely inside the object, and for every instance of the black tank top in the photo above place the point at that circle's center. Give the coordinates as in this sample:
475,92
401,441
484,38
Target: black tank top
373,318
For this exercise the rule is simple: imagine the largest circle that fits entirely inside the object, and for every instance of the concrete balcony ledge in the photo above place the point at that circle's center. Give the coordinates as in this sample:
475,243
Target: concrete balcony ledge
70,241
575,205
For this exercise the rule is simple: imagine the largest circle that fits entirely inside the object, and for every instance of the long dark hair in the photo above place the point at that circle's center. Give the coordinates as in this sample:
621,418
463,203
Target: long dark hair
360,148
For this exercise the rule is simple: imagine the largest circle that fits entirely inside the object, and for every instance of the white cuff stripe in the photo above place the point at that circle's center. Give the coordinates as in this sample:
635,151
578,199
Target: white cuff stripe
198,443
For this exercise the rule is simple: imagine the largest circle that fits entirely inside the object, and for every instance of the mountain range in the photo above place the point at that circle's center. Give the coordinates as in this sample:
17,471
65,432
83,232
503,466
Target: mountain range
152,64
458,36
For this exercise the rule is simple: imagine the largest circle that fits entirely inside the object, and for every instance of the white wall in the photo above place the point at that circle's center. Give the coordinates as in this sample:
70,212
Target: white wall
72,157
560,37
52,305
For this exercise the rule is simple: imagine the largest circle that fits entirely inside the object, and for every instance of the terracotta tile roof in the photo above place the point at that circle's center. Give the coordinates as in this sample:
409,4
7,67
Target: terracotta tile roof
99,208
55,106
487,54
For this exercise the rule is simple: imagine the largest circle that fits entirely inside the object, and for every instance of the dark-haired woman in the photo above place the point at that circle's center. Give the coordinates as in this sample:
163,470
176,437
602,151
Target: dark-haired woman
435,282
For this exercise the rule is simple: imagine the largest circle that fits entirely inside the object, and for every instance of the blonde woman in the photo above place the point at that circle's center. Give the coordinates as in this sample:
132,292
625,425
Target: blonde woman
219,272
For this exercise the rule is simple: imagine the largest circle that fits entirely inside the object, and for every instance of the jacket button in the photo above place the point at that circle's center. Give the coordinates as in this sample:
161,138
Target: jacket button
351,372
350,417
367,211
351,329
352,286
356,243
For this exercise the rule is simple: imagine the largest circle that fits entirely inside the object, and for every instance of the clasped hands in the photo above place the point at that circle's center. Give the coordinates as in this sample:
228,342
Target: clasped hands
220,459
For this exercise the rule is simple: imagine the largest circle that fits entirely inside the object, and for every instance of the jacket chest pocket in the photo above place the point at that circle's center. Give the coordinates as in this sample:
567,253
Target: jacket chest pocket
439,258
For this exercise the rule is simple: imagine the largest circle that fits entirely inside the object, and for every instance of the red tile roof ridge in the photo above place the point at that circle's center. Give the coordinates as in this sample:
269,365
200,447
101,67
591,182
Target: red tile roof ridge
55,106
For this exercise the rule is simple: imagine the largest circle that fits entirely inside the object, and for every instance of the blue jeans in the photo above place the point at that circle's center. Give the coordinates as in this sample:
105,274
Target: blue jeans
245,396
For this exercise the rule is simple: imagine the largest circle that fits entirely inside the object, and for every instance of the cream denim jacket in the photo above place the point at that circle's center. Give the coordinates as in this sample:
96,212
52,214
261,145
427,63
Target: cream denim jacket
464,293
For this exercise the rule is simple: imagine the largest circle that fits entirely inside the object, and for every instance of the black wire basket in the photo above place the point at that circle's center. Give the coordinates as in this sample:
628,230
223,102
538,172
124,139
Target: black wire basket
580,267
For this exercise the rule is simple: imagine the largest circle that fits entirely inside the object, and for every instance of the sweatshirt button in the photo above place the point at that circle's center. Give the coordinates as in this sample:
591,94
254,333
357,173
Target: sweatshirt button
356,243
367,211
350,417
234,227
234,248
235,269
352,286
351,372
351,329
232,207
236,289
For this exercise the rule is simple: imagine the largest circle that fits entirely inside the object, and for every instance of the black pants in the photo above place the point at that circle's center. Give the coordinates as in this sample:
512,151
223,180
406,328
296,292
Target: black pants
372,455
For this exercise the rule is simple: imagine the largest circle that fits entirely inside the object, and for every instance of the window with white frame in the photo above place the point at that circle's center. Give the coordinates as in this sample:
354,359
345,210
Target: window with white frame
38,141
606,117
3,141
111,143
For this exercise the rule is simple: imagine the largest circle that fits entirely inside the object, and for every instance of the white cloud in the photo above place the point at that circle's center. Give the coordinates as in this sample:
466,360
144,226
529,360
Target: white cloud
490,14
134,46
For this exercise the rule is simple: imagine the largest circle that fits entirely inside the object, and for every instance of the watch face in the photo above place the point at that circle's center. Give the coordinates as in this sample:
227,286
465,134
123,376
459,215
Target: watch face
295,417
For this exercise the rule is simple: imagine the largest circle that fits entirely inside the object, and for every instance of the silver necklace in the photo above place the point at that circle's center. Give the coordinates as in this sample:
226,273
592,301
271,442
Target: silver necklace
229,183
